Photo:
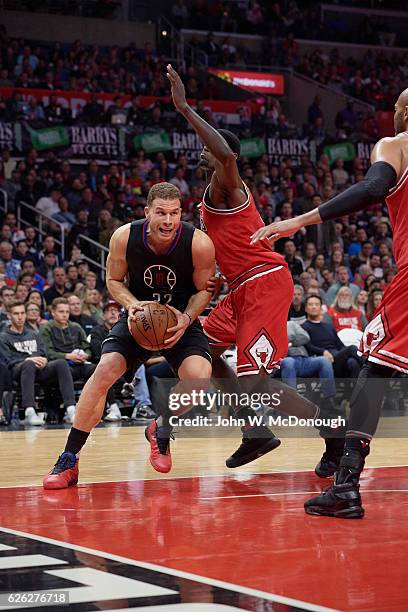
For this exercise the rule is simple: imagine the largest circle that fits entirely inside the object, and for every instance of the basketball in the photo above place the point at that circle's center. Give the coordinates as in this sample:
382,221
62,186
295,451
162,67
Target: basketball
151,325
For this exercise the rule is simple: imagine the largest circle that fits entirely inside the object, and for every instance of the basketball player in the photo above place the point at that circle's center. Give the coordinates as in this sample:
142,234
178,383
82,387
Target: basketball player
253,315
165,260
385,339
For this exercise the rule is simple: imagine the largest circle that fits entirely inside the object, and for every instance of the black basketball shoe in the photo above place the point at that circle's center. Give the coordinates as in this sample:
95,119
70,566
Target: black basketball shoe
256,442
330,461
341,500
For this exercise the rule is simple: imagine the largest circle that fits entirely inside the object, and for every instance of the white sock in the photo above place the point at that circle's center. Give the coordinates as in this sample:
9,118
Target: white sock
72,406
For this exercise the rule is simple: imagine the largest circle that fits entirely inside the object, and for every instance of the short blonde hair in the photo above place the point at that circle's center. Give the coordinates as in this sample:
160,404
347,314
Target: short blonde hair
164,191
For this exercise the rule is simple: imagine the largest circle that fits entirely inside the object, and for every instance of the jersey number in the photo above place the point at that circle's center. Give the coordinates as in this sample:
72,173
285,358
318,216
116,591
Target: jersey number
164,299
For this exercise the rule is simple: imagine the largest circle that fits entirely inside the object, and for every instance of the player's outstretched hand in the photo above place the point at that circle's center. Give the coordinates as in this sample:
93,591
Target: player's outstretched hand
183,321
274,231
177,88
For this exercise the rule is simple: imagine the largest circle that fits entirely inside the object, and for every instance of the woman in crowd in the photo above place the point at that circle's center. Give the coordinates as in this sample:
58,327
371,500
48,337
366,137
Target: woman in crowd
373,301
34,318
360,300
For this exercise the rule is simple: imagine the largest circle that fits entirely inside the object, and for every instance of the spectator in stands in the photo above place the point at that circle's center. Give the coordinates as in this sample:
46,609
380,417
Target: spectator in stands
360,302
12,266
91,304
48,245
299,363
179,181
57,288
82,226
21,292
63,216
297,311
325,342
6,298
46,268
20,249
91,280
26,357
294,263
48,205
28,267
66,340
77,316
111,312
374,300
314,111
356,245
32,241
72,281
343,281
343,315
33,316
340,175
16,232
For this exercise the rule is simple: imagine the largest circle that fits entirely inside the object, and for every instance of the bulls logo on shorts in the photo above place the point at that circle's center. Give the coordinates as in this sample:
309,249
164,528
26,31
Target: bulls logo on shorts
262,351
160,277
373,334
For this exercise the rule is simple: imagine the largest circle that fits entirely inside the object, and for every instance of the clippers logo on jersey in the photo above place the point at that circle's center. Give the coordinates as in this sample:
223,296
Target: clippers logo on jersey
160,278
261,351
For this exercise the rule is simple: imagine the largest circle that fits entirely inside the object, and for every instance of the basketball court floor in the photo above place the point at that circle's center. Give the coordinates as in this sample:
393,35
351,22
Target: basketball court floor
202,538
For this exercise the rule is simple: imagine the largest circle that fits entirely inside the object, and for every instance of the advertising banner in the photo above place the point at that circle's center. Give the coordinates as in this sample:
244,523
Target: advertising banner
256,82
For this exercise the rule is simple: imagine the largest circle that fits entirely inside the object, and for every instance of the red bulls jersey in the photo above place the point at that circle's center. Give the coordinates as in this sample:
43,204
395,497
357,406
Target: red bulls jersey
397,202
231,230
352,318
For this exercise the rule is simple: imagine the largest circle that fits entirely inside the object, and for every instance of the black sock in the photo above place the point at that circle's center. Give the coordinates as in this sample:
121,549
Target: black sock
76,441
353,460
354,444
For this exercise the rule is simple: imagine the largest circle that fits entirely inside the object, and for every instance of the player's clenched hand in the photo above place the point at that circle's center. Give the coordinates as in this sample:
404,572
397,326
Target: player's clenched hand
183,321
274,231
177,89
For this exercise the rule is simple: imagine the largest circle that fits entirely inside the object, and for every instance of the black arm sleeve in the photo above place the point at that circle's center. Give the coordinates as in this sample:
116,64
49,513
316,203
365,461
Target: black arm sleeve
375,186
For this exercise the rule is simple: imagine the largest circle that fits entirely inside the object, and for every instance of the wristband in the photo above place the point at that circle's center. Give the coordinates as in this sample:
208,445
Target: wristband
189,316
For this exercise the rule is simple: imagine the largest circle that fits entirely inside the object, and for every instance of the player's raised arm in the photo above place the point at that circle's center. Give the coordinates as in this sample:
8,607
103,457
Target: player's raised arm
380,178
225,158
116,271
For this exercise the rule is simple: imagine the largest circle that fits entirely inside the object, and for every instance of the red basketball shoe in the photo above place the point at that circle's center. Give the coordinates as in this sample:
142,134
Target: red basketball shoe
64,474
159,438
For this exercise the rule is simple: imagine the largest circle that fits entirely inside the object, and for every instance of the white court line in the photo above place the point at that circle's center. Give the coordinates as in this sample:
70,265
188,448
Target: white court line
297,603
225,475
301,493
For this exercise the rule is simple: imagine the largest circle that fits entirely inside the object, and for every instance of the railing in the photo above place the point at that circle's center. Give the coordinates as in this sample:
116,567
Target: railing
179,48
4,203
41,217
103,252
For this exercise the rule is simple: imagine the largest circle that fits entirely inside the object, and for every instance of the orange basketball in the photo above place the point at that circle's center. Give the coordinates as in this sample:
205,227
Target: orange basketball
151,325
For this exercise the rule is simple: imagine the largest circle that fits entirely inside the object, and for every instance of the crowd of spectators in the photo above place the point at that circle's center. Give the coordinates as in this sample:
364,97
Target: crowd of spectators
304,20
377,78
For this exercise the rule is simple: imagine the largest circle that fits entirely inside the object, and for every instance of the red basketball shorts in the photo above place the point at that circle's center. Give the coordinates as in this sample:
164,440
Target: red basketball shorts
385,339
253,316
